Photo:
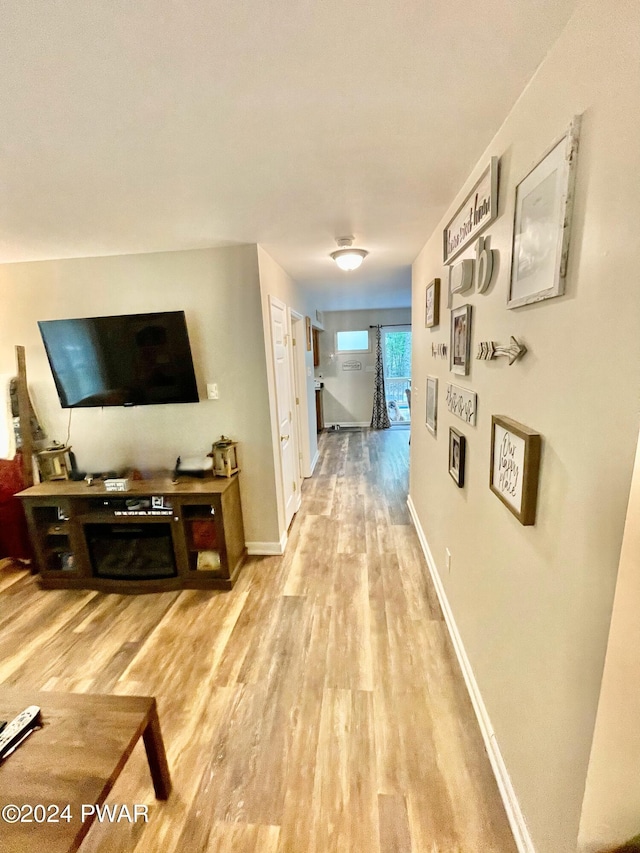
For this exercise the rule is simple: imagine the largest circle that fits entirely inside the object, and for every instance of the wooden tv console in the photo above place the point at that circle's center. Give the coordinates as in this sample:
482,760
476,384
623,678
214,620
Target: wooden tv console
158,535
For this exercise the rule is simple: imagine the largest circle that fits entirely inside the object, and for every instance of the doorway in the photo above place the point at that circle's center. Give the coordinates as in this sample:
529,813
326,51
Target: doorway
396,360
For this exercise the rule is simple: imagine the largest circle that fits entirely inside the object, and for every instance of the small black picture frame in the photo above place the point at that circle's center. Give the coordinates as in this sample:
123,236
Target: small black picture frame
457,453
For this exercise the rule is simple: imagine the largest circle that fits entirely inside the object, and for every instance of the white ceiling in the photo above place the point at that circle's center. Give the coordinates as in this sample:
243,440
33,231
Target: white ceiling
173,124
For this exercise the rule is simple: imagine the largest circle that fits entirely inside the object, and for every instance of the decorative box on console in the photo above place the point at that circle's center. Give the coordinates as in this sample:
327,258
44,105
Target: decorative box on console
117,484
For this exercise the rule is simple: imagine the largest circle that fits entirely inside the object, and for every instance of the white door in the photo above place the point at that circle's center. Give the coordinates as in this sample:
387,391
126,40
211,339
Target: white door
284,409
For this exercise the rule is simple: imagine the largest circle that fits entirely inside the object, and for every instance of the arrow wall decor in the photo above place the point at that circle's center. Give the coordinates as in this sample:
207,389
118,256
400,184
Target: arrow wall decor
488,350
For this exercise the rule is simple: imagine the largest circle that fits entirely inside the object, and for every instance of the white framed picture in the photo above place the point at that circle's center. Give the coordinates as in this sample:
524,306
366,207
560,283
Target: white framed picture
432,304
432,404
460,345
542,224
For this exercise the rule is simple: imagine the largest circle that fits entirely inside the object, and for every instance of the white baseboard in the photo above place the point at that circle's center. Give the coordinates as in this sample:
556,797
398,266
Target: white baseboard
314,462
511,804
347,424
267,549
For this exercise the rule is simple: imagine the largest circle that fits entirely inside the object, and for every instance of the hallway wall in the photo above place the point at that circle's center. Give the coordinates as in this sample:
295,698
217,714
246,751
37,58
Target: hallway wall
610,812
533,604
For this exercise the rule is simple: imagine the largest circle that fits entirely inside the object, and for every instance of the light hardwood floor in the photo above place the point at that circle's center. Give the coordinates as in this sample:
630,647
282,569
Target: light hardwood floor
316,708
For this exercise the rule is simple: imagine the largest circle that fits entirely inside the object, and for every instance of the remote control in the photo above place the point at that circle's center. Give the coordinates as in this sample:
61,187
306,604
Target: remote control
15,731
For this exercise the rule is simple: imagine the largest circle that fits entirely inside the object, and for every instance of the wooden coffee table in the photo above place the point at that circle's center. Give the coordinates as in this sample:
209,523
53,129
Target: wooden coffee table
74,759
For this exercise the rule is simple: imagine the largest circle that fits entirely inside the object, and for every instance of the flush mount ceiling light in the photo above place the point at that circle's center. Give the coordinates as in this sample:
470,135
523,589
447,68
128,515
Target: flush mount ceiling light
346,257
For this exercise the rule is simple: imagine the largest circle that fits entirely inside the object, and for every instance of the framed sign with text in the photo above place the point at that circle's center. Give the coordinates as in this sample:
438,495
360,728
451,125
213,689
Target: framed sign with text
515,465
462,402
475,213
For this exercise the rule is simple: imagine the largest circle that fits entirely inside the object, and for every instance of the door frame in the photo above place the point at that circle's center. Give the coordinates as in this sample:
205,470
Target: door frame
299,385
278,459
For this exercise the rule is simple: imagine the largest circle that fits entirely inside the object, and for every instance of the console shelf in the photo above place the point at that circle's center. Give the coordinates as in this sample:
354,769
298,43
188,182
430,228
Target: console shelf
157,536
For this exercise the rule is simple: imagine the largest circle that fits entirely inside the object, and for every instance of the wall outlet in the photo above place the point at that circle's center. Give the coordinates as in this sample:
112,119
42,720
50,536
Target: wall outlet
448,559
212,391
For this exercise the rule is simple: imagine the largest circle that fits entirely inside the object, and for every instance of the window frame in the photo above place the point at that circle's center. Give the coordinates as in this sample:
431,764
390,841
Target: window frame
352,351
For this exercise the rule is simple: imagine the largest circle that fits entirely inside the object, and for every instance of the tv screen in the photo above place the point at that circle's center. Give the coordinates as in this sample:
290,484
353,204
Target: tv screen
129,360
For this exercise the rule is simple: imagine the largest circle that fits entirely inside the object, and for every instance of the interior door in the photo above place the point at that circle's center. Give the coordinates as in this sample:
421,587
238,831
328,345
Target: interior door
284,408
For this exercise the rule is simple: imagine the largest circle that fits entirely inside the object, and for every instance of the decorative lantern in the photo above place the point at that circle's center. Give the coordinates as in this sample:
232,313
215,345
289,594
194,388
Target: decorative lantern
225,457
54,463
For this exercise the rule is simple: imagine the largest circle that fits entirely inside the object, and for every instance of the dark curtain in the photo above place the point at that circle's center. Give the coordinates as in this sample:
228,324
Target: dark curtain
380,415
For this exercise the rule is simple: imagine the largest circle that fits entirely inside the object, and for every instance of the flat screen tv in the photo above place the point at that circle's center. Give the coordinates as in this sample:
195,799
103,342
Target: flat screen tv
128,360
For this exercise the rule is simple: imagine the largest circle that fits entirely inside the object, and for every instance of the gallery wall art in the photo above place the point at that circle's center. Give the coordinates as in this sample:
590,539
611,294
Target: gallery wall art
542,224
515,464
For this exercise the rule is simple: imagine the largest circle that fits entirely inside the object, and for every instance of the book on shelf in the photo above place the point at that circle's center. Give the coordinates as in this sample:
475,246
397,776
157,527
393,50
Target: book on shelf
208,561
203,534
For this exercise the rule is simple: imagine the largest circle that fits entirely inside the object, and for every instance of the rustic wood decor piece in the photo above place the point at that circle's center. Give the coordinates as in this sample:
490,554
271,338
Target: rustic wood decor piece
55,782
542,224
53,463
488,350
24,413
515,464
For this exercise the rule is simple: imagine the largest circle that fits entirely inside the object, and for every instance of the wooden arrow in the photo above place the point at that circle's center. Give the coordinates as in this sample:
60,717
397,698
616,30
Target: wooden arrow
488,350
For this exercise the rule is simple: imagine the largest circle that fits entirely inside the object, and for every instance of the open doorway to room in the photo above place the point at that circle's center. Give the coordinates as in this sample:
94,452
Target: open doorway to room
396,358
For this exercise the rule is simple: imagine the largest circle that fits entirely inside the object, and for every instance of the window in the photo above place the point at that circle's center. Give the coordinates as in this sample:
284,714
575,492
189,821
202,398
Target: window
357,341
